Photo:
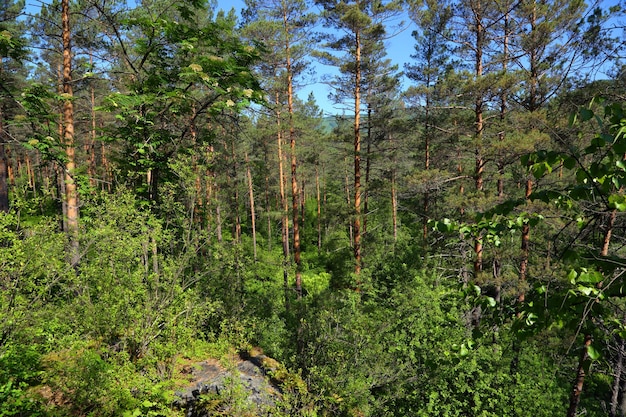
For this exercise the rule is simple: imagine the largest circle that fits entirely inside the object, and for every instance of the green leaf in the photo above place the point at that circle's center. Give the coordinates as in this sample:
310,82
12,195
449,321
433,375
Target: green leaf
540,169
477,290
586,114
531,319
591,277
569,162
464,351
571,277
593,353
618,202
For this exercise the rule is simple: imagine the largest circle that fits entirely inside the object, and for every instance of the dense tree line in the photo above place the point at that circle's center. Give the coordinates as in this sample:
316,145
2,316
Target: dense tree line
453,245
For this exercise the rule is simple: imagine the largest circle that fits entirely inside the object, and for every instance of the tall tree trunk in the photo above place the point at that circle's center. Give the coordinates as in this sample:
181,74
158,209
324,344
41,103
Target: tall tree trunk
268,210
252,212
108,177
608,233
4,171
580,374
236,211
71,194
617,375
367,168
503,99
580,378
4,165
90,145
394,205
295,203
523,269
357,154
350,224
479,103
283,202
319,209
426,157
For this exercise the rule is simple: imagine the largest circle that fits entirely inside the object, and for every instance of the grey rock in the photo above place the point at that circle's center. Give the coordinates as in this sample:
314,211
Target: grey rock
211,378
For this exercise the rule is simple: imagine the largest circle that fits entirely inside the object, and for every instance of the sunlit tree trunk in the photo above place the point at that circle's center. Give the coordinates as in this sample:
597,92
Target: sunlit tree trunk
283,202
4,172
580,378
368,162
71,194
90,145
268,211
295,195
357,153
394,205
478,126
252,211
617,375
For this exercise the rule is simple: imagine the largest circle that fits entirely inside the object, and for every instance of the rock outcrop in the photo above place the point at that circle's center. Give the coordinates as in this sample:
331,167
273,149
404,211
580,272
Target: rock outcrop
216,389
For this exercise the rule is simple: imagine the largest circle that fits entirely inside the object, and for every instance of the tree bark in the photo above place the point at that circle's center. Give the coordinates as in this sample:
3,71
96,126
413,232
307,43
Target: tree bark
319,209
368,162
394,205
523,269
4,172
283,202
478,126
252,212
71,192
617,375
357,154
295,203
580,378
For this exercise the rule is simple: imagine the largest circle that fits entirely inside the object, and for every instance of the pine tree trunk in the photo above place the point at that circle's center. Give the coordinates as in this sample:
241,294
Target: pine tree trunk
71,194
350,224
252,212
523,269
295,196
608,233
478,126
617,375
90,145
236,211
108,177
4,171
367,168
319,209
394,205
283,204
580,378
426,162
357,154
268,210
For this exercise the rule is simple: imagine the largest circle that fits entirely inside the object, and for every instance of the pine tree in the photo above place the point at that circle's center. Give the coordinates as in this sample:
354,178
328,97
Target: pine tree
285,26
12,52
363,23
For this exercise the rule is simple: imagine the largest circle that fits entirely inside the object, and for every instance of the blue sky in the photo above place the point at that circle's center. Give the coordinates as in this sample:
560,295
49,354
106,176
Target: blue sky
399,50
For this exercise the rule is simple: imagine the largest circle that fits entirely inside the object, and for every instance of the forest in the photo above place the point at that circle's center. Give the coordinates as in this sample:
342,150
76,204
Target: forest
452,244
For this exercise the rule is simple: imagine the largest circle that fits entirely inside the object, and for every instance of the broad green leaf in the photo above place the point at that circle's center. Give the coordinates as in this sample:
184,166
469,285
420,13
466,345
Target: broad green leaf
571,277
593,353
586,114
618,202
592,277
569,162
